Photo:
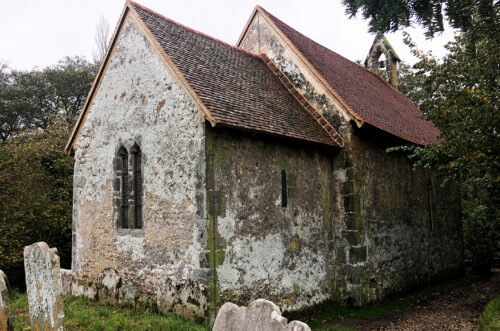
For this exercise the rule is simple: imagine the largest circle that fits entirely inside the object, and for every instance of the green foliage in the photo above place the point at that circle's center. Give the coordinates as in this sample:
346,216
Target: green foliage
35,193
459,94
30,99
83,314
37,110
490,320
476,16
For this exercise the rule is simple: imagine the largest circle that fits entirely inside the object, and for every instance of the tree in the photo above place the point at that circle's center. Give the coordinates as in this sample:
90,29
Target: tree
35,195
30,99
474,16
37,111
459,94
101,39
9,113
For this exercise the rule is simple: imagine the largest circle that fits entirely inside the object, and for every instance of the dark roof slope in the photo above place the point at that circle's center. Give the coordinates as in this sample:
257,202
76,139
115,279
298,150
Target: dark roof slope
237,87
369,96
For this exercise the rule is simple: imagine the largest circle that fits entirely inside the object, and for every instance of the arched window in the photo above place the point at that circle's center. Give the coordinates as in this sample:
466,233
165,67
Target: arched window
123,175
137,187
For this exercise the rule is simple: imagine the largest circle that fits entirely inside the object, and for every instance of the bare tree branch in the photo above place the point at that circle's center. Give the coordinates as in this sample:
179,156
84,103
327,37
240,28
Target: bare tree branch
101,39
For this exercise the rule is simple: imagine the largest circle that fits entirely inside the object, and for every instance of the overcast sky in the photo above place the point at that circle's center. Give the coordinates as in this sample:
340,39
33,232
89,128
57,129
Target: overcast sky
39,33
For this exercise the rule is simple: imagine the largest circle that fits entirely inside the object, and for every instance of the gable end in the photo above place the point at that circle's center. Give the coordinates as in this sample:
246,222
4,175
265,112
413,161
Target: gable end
129,13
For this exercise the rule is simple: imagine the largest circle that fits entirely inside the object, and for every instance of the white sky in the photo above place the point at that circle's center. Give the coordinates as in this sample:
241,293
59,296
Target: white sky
41,32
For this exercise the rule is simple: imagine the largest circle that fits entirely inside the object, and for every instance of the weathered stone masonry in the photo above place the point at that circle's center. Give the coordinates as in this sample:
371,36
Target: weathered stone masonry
139,102
285,254
393,242
261,39
387,242
359,223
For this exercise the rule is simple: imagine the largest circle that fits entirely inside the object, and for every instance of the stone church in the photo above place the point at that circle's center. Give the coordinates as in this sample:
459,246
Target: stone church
256,171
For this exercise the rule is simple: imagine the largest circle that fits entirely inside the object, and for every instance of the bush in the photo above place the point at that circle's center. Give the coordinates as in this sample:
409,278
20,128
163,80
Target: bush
480,235
36,180
491,316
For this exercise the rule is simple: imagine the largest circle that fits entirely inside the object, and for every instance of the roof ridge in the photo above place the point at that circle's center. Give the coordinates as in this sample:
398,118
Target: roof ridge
191,29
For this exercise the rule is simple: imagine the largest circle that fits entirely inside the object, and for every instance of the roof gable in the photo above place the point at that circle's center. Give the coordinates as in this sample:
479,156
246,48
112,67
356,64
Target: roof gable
233,87
236,86
368,97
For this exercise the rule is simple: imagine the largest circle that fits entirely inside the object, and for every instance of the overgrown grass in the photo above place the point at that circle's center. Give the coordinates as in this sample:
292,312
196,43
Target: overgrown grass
326,316
490,320
83,314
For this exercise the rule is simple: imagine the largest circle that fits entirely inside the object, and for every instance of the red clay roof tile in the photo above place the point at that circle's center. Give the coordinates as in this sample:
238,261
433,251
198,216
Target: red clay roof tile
369,96
236,86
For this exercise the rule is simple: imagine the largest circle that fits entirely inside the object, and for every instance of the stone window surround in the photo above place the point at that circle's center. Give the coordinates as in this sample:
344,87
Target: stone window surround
117,203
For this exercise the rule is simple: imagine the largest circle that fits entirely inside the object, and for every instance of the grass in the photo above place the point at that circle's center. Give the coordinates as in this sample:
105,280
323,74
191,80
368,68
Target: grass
490,320
82,314
324,317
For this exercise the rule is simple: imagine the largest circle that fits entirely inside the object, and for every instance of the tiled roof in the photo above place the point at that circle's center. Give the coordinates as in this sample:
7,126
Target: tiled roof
237,87
368,95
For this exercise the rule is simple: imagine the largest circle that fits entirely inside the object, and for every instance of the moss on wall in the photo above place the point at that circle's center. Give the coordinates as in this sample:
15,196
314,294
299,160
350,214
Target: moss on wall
262,248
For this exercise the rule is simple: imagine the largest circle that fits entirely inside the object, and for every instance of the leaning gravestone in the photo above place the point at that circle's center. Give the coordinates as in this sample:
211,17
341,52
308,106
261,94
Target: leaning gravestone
43,284
260,315
5,320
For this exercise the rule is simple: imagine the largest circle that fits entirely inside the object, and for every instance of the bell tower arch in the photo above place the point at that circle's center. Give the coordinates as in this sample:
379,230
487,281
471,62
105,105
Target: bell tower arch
381,46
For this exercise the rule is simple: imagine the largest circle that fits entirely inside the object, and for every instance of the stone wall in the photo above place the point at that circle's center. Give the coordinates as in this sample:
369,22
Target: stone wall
357,226
139,101
403,228
388,240
261,249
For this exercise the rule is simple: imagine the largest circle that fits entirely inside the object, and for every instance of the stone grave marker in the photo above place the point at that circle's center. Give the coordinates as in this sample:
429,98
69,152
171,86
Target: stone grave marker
44,288
5,320
259,315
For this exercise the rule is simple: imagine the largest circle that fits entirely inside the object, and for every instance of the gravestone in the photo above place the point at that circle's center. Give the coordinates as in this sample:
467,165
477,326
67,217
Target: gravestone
108,283
66,280
186,298
44,288
260,315
128,295
5,320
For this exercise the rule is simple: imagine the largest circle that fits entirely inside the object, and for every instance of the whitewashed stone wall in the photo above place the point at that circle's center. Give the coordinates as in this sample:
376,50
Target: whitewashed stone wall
263,250
139,101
